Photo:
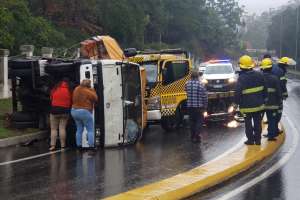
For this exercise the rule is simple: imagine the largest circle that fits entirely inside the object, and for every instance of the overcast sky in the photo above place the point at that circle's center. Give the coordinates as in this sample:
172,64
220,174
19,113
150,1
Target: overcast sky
258,6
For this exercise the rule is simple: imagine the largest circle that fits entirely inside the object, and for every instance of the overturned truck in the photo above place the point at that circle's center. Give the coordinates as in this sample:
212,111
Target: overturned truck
118,115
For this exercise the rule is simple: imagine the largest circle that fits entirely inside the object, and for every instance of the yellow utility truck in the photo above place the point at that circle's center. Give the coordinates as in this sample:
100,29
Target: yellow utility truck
167,72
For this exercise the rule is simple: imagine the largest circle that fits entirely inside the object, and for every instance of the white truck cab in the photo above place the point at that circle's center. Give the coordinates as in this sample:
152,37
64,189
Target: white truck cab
118,115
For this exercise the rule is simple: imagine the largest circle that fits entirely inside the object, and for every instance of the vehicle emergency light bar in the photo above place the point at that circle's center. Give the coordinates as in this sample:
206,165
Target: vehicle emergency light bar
218,61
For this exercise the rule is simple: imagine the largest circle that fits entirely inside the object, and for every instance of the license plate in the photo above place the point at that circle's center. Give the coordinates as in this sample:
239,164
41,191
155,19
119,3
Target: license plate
217,86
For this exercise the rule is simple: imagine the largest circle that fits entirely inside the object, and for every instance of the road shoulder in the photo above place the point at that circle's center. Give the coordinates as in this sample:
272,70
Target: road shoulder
23,138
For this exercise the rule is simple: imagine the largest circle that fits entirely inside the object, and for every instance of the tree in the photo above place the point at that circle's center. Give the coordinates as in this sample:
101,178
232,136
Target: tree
282,31
19,27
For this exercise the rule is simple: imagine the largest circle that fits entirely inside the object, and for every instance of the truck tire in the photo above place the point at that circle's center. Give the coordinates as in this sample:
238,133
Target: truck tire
20,73
22,125
22,63
170,123
60,68
23,117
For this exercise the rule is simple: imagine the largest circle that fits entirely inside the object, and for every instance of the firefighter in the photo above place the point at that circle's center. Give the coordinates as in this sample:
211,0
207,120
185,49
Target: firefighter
283,64
274,98
280,70
250,96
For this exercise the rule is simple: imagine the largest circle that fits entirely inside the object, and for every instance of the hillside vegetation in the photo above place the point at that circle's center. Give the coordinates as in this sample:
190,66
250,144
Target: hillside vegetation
205,27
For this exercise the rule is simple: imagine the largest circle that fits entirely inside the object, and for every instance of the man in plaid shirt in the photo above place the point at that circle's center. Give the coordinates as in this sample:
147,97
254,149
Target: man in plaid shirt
197,101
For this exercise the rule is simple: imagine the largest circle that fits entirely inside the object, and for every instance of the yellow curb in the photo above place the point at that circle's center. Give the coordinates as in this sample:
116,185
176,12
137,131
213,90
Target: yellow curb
200,178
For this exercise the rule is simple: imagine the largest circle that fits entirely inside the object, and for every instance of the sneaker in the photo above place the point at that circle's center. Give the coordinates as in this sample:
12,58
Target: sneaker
248,142
258,143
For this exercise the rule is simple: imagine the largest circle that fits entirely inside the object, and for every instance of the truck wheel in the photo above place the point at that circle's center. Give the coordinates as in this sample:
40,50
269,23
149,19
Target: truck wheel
22,63
60,68
23,125
172,122
20,73
23,117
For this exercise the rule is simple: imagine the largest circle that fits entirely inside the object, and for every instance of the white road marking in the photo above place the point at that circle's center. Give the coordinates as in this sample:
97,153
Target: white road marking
53,152
31,157
238,145
270,171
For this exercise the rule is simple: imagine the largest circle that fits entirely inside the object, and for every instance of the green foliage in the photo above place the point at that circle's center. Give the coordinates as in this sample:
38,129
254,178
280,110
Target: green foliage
205,27
18,26
282,31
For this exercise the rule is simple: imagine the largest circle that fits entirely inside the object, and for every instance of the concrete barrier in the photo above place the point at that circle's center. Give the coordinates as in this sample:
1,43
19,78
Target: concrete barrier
4,87
27,50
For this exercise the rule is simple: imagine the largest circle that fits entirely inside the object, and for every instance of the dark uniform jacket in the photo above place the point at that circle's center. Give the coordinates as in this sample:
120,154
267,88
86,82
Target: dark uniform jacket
274,92
250,91
281,74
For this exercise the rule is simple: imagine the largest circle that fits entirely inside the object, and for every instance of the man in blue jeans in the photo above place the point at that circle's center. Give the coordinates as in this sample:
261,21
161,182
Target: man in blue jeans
197,101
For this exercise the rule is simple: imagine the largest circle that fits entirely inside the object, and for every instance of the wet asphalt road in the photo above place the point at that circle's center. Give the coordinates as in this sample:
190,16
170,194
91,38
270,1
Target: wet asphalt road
284,183
82,175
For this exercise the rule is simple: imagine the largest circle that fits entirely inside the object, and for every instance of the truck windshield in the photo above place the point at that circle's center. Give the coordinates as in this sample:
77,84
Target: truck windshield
131,83
218,69
151,71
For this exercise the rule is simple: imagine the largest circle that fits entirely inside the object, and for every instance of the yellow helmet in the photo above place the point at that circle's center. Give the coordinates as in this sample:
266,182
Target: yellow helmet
284,60
246,62
266,63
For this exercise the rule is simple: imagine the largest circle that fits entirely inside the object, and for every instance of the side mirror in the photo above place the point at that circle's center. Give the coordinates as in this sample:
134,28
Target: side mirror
130,52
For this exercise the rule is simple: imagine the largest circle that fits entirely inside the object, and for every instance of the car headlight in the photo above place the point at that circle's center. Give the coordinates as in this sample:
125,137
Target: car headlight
230,109
154,103
204,81
205,114
231,80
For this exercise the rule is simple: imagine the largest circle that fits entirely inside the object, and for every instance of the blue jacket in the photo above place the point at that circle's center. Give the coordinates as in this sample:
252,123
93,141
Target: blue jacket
274,98
250,92
281,74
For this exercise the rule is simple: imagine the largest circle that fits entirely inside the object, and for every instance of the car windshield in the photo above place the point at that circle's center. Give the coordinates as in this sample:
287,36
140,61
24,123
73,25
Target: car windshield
151,71
218,69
